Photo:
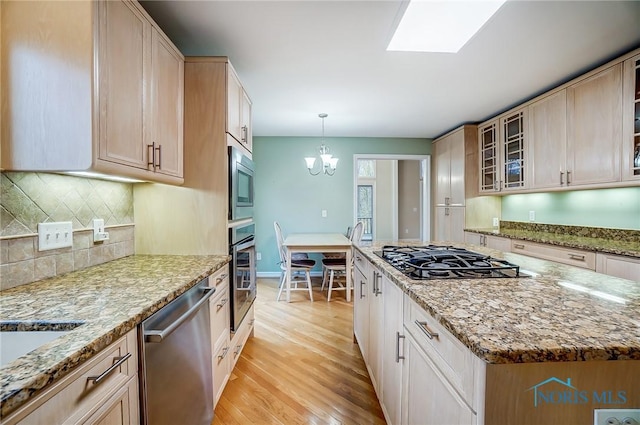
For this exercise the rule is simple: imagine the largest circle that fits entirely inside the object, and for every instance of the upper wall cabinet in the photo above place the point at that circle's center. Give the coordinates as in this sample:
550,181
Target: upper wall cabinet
502,144
548,141
449,156
594,128
100,90
631,120
238,111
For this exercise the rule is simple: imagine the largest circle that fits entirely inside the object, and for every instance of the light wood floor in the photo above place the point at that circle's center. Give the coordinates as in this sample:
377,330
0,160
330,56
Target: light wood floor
301,366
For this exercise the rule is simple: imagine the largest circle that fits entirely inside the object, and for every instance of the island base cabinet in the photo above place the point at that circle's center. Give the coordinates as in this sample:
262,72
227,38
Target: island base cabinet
559,392
428,399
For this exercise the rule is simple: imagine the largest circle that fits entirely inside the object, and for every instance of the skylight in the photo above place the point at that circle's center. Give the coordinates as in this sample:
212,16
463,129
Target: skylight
441,26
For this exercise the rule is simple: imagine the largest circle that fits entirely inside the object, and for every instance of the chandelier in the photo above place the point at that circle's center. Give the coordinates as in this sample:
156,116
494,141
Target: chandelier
329,163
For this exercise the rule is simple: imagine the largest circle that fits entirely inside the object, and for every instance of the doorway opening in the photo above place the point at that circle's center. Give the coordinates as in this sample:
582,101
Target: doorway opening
392,196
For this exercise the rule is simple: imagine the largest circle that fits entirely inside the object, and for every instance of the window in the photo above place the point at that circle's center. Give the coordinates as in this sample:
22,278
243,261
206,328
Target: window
365,210
366,168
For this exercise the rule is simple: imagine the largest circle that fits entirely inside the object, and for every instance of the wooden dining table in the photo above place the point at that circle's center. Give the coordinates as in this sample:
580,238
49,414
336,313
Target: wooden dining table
317,242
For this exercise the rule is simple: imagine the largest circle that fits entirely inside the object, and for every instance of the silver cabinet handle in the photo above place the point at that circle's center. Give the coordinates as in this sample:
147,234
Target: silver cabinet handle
358,258
119,360
447,200
157,335
398,356
362,283
561,178
222,303
245,133
425,329
576,257
446,211
221,278
151,155
518,246
568,177
376,283
237,351
225,351
159,165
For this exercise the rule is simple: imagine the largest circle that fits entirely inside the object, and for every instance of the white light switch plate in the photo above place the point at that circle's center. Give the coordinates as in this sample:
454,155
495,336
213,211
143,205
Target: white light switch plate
55,235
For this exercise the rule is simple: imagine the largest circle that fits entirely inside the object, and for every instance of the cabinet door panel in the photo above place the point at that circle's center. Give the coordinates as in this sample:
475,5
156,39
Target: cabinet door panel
393,346
247,135
234,97
442,166
594,128
456,176
361,312
428,398
547,141
123,65
167,102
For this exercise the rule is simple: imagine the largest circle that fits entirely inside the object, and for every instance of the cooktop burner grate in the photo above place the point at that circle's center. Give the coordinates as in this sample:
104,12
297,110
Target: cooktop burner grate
446,262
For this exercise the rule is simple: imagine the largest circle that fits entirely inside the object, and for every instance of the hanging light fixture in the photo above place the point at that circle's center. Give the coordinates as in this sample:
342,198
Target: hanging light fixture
329,163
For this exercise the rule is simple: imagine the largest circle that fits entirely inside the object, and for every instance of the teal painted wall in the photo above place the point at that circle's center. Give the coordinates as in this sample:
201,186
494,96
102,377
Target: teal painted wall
287,193
612,208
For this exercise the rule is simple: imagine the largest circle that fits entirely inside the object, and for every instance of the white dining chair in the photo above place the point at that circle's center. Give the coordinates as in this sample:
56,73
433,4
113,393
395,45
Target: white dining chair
298,266
332,268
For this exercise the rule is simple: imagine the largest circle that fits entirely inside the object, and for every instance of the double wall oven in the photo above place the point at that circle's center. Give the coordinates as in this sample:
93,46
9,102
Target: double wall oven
241,236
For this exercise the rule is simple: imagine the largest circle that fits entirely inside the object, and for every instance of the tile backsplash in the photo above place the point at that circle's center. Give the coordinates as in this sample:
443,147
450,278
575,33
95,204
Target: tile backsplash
27,199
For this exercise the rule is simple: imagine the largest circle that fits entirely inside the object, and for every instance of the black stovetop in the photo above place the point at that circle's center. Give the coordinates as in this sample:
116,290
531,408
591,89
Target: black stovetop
446,262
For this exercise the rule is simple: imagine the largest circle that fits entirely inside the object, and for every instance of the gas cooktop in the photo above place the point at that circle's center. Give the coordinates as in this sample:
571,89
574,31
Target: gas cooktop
446,262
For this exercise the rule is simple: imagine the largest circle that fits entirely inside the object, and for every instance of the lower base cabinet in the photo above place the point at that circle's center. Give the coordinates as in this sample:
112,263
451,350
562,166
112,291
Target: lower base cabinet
77,399
618,266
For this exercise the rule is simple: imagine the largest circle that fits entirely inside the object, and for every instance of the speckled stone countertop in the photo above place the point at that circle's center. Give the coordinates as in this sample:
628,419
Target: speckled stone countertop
611,241
107,301
558,314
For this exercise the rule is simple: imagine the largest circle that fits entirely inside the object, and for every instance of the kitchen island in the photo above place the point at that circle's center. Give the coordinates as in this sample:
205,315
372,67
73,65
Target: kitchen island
560,323
100,304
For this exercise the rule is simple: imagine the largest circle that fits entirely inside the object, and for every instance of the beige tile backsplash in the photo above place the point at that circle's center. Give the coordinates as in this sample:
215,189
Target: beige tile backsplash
27,199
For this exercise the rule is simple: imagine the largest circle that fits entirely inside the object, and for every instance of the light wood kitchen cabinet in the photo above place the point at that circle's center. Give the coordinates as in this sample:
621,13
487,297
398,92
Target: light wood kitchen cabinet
489,241
502,146
631,119
594,128
618,266
449,224
362,294
449,156
440,375
570,256
376,331
220,323
77,399
548,141
238,111
116,74
393,344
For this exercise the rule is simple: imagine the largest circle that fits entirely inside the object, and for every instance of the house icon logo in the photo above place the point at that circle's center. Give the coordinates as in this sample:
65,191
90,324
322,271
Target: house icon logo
538,393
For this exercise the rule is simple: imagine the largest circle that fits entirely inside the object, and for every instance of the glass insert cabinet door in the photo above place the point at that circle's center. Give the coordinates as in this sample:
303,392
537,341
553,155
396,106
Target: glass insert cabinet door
488,138
636,116
513,151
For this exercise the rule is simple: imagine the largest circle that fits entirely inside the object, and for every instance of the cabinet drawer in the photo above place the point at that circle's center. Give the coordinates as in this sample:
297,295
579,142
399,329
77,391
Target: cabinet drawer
221,366
77,395
572,257
220,279
239,338
361,262
451,357
219,312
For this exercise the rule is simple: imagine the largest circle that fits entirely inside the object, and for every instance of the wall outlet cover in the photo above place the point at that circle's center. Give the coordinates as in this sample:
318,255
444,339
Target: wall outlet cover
532,216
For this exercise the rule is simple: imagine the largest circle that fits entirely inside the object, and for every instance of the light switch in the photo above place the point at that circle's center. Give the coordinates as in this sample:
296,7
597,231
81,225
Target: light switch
54,235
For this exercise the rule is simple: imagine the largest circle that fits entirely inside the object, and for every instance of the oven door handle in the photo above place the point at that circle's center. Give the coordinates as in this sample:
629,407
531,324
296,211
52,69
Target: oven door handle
158,335
248,244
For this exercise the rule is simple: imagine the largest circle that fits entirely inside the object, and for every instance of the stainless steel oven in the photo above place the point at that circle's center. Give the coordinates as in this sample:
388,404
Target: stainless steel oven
240,185
242,248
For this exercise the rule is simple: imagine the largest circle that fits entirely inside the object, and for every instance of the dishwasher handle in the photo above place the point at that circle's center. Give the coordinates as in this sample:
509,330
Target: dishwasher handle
157,335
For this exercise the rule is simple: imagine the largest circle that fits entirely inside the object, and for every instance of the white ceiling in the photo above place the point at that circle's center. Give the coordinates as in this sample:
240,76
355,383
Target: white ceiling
299,58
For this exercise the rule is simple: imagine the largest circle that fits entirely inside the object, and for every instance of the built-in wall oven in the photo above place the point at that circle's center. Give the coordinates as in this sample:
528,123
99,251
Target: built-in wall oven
240,185
242,271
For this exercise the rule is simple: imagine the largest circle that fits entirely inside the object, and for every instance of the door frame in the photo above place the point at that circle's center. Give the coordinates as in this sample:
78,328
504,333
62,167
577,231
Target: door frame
425,189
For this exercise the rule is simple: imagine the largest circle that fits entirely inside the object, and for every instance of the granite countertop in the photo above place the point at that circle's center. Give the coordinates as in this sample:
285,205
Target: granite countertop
610,241
558,314
107,301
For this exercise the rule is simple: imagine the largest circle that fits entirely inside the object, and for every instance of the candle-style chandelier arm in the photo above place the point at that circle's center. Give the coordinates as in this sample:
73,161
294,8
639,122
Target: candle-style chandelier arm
328,162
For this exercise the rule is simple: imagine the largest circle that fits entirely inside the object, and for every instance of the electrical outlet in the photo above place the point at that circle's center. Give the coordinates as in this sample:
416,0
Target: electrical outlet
496,222
258,256
324,213
99,235
616,417
532,216
54,235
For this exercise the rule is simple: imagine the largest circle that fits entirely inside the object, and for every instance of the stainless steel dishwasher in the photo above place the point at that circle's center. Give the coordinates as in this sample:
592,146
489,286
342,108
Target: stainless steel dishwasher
176,366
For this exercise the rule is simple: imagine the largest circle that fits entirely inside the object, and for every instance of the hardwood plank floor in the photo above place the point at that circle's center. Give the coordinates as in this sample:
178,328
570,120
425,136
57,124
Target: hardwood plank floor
300,367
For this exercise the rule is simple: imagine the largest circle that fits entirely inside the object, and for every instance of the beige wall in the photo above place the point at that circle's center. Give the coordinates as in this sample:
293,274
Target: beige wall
383,196
27,199
409,200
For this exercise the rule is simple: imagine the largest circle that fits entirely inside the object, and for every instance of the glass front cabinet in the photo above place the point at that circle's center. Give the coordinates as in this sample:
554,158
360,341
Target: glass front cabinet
502,153
631,123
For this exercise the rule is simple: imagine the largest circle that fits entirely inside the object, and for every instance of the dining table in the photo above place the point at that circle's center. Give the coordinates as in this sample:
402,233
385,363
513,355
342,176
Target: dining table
317,242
